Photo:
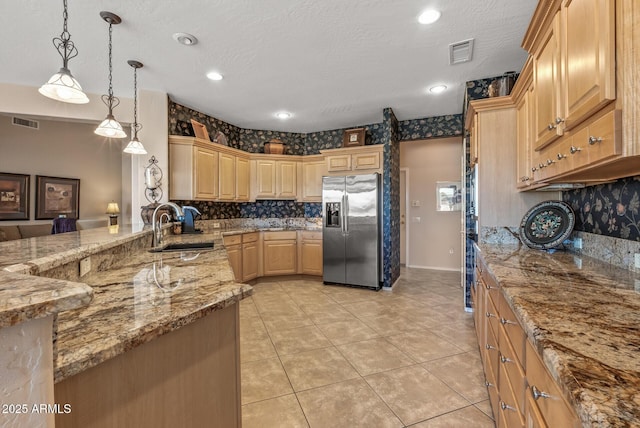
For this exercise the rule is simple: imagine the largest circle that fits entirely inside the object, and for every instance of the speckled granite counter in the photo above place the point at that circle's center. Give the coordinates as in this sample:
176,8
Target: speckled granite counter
584,318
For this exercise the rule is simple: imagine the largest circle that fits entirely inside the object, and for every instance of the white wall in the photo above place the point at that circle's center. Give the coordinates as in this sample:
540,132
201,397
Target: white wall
432,238
152,113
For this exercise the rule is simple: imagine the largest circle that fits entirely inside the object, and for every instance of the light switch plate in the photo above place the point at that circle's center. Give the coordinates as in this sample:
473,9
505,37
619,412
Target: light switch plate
577,243
415,203
85,266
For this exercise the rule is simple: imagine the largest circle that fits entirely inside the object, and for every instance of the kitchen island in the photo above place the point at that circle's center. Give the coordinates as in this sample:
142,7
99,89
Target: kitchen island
582,317
158,344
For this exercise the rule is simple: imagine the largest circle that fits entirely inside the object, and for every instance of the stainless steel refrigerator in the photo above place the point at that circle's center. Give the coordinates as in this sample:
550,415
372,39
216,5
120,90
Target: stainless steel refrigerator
351,230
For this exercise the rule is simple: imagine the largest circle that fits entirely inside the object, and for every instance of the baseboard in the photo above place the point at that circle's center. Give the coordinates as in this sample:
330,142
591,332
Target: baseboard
434,268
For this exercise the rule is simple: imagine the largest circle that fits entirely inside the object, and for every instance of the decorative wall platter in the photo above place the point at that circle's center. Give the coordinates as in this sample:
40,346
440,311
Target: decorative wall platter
547,225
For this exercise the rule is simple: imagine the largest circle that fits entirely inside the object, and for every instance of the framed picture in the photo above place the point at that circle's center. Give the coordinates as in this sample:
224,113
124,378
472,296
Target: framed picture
200,130
14,196
353,137
448,196
57,197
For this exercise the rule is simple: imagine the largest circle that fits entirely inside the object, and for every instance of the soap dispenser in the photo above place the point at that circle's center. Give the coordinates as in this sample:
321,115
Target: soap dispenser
188,225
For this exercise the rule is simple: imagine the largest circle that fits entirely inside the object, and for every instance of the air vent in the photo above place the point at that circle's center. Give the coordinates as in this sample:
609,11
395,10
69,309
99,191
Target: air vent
460,52
33,124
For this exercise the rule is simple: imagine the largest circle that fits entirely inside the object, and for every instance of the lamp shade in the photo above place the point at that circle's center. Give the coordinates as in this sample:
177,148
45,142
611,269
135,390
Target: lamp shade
113,209
62,86
110,128
135,147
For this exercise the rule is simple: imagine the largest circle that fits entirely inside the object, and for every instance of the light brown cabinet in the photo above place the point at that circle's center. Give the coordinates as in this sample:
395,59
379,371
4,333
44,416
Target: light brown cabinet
250,256
310,252
521,391
233,245
279,253
242,180
193,173
354,160
312,169
274,179
524,140
227,164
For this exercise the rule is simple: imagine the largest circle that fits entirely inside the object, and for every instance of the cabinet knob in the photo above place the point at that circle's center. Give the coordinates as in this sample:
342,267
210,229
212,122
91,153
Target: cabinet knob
574,149
541,165
534,169
505,406
593,140
550,162
488,384
489,347
524,178
560,156
551,127
559,120
538,394
489,315
505,360
505,321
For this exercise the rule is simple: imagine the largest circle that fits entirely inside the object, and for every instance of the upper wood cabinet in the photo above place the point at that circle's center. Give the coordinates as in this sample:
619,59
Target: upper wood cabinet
588,57
242,179
274,178
227,177
354,160
310,173
193,172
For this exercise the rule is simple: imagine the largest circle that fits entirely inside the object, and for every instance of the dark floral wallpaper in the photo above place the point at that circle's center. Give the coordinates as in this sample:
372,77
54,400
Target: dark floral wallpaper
478,89
259,209
214,210
391,198
271,209
180,124
431,127
323,140
608,209
252,141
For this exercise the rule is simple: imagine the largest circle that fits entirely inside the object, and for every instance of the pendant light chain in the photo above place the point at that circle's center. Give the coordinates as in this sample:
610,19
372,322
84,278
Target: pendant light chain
136,125
110,65
63,44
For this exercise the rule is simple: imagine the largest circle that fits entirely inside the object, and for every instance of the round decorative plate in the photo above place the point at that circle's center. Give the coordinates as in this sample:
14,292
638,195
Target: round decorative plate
547,225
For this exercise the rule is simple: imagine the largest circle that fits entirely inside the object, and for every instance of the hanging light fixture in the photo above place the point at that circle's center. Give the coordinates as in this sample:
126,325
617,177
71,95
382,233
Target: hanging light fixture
110,127
135,147
62,86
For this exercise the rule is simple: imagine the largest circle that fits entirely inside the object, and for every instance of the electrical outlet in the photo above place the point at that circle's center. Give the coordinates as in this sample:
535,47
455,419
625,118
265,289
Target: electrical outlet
577,243
216,225
85,266
636,258
451,250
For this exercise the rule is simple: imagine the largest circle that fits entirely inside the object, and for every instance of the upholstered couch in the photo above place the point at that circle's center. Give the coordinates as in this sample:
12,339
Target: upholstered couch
21,231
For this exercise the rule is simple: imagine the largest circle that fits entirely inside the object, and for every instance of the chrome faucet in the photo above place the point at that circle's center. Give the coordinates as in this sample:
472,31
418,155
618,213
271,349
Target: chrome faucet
157,226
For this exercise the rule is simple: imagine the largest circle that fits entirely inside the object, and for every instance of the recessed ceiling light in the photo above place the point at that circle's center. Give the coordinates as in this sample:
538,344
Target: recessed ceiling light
437,89
214,75
283,115
429,16
185,39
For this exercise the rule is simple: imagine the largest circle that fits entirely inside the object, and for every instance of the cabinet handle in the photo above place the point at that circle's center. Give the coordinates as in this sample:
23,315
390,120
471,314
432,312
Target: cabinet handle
559,120
489,315
505,321
560,156
574,150
505,360
505,406
551,127
541,165
488,287
538,394
550,162
524,178
534,169
593,140
488,384
489,347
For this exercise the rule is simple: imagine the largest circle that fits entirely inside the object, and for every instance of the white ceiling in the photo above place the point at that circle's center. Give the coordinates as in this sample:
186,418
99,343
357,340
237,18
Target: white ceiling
331,63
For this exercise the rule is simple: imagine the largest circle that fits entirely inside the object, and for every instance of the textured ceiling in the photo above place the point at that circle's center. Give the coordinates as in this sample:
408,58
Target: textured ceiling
331,63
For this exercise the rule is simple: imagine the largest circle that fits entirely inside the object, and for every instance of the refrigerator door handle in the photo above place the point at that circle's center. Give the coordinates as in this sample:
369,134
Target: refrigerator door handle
346,213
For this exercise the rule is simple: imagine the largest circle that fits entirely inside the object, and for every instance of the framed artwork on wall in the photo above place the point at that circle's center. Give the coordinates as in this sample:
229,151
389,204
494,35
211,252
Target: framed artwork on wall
353,137
14,196
448,196
57,197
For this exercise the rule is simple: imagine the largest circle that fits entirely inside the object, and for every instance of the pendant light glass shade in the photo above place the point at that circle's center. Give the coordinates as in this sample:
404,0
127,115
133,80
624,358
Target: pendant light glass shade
135,147
62,86
110,127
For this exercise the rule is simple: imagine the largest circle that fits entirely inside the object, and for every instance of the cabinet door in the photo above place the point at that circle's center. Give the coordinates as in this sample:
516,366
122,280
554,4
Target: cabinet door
266,178
227,177
312,173
588,57
312,257
234,254
286,179
242,179
546,86
524,174
363,161
339,163
205,173
249,261
279,257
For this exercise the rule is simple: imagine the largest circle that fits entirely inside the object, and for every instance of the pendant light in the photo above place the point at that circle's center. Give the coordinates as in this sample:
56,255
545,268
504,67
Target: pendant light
62,86
135,147
110,127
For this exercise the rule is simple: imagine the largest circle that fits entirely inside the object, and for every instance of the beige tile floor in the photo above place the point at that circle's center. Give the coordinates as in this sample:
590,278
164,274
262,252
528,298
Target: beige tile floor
328,356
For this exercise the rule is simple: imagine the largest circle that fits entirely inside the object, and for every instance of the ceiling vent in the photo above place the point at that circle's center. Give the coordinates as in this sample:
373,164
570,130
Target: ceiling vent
33,124
460,52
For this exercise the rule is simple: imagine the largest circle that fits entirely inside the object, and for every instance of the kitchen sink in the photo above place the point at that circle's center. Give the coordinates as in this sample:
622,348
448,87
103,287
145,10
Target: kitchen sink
184,246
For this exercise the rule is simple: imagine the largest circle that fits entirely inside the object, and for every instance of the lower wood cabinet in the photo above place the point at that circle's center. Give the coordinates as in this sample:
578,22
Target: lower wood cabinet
233,245
521,391
310,253
249,256
279,253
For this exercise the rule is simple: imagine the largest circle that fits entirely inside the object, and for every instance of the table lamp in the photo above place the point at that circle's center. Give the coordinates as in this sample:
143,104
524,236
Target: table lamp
113,211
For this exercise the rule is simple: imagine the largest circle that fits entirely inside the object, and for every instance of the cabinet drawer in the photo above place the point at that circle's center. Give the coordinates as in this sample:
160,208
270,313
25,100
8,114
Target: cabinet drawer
493,319
232,240
275,236
511,414
513,330
250,237
307,235
512,369
491,358
550,402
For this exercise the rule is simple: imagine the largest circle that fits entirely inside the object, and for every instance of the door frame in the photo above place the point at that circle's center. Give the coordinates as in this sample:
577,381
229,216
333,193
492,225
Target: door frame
404,199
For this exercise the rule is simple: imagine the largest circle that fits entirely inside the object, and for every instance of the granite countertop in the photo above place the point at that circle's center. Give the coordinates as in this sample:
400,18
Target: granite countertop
143,297
25,297
227,232
583,316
